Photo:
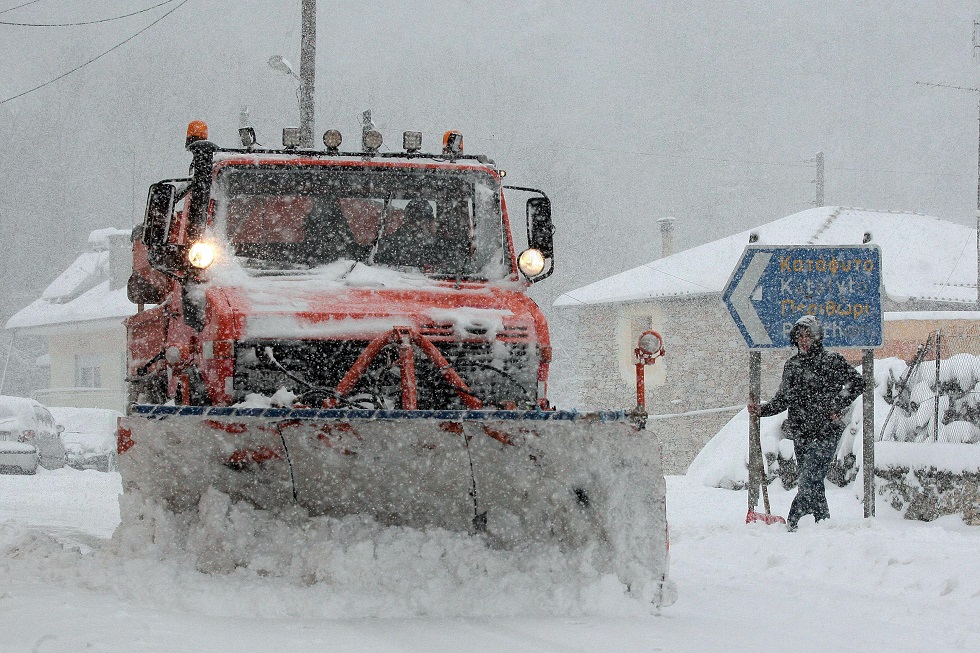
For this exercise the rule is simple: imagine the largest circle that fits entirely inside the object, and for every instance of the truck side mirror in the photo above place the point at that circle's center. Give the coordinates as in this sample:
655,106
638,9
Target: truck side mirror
540,228
159,209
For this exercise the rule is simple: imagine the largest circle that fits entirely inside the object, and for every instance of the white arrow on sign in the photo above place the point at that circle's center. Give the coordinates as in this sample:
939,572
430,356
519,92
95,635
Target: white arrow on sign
742,294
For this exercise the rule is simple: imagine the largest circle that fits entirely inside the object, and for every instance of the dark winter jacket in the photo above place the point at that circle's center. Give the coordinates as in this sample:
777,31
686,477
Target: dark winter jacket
816,387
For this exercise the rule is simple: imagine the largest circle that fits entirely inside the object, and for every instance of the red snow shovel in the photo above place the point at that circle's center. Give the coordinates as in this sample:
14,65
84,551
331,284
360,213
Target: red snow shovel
752,516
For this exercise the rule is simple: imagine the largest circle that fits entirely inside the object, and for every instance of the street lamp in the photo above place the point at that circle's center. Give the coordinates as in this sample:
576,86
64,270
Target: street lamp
280,65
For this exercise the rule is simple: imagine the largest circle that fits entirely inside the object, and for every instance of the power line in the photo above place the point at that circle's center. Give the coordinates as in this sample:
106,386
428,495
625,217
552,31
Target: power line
953,86
19,6
79,67
89,22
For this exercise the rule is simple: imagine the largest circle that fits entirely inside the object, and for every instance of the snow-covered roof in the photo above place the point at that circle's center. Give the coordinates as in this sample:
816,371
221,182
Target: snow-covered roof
81,293
82,275
923,257
99,239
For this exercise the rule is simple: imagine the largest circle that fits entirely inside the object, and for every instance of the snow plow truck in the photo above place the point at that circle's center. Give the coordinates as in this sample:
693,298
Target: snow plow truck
350,333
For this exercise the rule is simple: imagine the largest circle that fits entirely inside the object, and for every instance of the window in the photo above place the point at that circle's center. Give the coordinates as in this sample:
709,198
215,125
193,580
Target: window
88,371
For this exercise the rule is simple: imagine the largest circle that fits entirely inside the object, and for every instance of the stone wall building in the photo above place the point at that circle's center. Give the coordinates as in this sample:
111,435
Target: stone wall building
928,264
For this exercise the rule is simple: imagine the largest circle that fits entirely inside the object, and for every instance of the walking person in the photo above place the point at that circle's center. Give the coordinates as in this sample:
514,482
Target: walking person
817,387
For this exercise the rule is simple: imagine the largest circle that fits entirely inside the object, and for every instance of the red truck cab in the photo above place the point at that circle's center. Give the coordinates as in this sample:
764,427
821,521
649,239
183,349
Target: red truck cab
323,278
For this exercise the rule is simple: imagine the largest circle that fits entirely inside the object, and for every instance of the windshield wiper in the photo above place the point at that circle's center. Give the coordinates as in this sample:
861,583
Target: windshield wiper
464,272
261,266
453,276
381,228
377,237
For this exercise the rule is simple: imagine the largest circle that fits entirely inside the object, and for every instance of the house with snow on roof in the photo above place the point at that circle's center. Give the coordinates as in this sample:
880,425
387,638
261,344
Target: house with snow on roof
929,269
80,314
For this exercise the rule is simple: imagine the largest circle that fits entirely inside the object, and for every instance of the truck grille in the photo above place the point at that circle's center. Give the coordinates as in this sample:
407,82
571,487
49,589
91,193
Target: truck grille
502,372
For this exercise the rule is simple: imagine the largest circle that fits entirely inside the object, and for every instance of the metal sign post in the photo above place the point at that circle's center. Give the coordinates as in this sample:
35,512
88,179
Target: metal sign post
755,459
868,452
774,286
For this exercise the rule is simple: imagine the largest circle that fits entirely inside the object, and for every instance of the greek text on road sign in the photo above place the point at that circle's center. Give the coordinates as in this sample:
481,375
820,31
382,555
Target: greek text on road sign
773,286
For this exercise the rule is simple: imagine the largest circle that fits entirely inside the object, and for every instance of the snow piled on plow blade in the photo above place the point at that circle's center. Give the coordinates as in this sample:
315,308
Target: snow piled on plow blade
589,486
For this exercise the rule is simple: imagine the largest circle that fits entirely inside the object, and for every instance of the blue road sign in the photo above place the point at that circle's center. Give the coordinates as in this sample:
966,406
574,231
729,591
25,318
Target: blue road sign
774,286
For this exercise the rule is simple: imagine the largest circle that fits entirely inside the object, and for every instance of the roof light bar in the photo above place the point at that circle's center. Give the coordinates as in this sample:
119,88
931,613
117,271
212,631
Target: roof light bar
452,142
371,140
247,134
291,138
412,141
197,130
332,139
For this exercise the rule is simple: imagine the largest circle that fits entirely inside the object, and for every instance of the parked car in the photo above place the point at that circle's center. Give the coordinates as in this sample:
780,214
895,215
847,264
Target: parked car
89,436
17,457
26,425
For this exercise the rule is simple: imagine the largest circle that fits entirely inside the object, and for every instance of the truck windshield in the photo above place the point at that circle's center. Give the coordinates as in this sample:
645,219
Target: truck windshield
445,223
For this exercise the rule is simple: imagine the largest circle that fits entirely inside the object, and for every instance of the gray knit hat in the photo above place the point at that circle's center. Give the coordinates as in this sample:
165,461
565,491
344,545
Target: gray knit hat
811,324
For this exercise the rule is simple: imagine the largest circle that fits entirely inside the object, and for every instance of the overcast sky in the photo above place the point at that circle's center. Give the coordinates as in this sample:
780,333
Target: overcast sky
623,111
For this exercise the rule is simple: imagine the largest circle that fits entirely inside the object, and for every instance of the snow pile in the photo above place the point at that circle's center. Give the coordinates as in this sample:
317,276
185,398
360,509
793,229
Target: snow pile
569,512
233,560
68,588
892,584
282,398
900,416
948,457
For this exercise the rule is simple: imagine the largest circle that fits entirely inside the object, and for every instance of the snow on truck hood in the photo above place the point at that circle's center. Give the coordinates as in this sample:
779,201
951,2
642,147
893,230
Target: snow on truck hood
329,302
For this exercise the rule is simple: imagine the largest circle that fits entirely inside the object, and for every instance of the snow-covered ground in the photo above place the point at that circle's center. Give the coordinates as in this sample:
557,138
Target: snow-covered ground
847,584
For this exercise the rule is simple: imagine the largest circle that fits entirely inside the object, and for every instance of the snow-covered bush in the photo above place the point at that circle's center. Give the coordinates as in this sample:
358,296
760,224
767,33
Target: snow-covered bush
956,388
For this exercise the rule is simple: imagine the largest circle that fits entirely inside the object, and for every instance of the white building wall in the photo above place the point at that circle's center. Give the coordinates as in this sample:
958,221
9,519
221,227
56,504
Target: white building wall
107,347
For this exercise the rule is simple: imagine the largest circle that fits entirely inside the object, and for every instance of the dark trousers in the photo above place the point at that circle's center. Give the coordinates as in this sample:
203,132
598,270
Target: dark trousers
814,459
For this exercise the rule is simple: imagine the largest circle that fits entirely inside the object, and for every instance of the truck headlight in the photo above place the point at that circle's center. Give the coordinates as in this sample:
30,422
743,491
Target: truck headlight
201,255
531,262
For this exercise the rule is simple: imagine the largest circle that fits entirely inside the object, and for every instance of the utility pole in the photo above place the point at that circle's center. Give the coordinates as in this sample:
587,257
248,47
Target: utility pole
307,73
818,182
976,37
819,179
977,91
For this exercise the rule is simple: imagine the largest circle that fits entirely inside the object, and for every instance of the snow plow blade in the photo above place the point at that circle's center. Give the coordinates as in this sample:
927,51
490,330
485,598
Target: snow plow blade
578,480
